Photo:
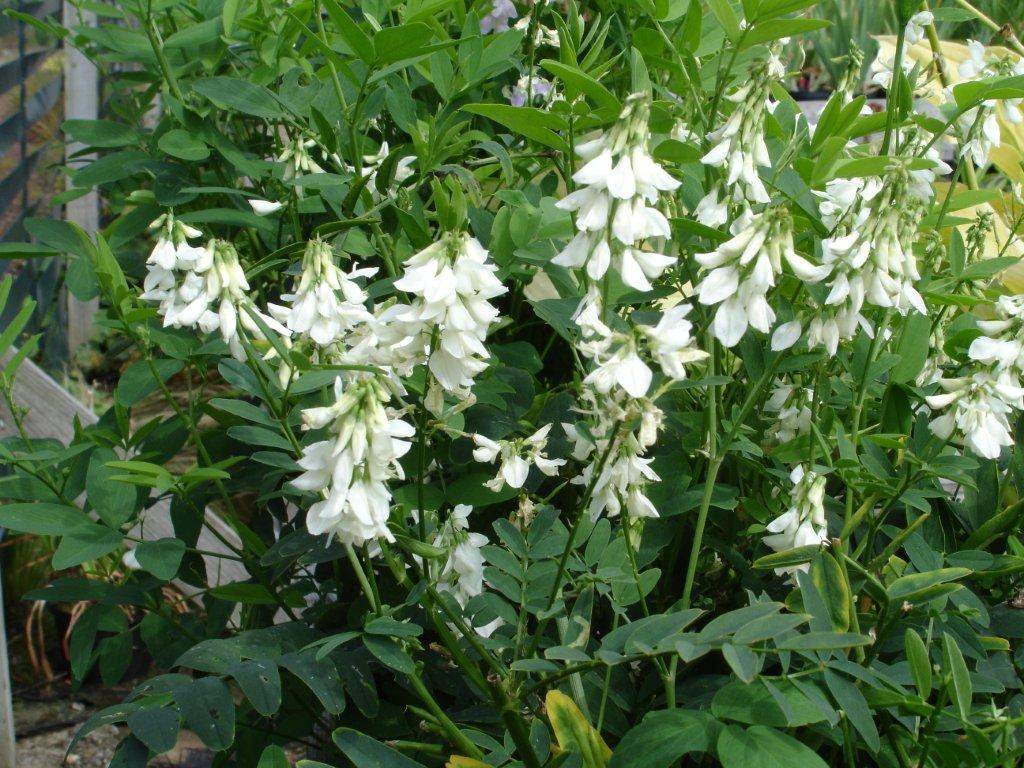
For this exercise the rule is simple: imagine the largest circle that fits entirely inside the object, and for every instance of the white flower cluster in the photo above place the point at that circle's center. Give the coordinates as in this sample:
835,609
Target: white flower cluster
619,483
298,160
202,287
517,456
744,268
617,356
352,468
451,282
738,145
803,522
462,575
792,408
616,208
326,302
869,254
616,212
980,404
372,165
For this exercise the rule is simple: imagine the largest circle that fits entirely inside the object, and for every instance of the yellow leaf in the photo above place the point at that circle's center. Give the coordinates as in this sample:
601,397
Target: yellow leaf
1000,240
459,761
574,733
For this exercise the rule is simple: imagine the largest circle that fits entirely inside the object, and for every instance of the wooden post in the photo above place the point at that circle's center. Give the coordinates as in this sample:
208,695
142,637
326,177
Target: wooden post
6,705
81,102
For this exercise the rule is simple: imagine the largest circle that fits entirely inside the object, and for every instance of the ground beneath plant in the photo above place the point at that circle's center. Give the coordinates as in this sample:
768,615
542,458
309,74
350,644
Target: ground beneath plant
46,723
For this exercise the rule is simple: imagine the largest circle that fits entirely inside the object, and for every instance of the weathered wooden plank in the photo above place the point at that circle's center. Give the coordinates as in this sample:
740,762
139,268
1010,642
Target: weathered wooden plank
81,102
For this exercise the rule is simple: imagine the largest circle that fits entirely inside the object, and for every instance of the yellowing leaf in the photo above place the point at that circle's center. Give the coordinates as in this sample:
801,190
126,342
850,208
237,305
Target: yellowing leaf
460,761
999,241
574,733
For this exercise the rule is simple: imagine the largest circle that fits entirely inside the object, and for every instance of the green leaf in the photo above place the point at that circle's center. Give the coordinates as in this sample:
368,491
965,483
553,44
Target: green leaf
260,681
754,704
137,381
183,145
320,675
195,34
405,41
959,686
919,661
969,94
762,747
101,133
744,663
253,435
661,738
86,542
775,30
42,519
831,582
273,756
156,727
578,82
240,95
915,344
228,15
350,32
851,702
914,586
112,499
726,17
209,711
389,653
161,557
814,641
530,122
25,251
788,558
366,752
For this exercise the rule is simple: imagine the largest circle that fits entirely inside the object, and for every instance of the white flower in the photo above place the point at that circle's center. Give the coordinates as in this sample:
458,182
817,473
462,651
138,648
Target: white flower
975,65
298,162
738,145
915,26
803,523
671,342
326,302
870,253
617,364
517,456
621,483
616,207
882,69
353,467
264,207
452,281
979,406
743,269
980,133
792,409
542,36
462,575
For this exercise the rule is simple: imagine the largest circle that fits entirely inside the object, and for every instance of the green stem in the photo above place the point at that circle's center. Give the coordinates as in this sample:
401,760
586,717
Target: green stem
457,737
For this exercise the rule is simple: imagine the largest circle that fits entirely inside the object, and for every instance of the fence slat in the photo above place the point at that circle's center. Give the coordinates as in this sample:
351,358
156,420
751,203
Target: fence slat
81,102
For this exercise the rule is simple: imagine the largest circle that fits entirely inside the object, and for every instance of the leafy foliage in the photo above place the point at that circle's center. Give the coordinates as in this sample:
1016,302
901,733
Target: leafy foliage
380,127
